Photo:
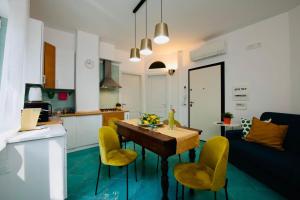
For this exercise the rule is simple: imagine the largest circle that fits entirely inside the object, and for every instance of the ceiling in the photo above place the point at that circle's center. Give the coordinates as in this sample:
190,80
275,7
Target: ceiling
190,21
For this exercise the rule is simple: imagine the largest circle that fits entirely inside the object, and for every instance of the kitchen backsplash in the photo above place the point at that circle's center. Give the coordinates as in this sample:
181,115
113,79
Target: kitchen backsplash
51,96
109,97
59,105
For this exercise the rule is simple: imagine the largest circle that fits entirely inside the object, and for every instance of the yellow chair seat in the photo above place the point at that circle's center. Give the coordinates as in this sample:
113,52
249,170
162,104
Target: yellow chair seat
121,157
192,175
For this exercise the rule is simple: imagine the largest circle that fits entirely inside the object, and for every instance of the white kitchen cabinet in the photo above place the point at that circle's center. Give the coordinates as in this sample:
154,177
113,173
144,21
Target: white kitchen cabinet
82,131
35,52
36,165
70,126
126,115
64,43
65,69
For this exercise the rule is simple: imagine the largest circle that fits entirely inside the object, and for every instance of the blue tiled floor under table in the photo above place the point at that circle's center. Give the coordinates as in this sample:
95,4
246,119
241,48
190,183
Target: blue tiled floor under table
83,168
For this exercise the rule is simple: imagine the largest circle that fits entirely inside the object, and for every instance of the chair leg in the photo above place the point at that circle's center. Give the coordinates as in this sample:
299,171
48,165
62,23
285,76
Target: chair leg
215,195
179,156
135,171
133,146
108,171
182,192
176,190
157,163
98,177
127,182
225,187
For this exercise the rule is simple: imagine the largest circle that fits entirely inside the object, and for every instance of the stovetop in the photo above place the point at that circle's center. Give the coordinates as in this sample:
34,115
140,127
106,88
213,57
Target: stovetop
108,109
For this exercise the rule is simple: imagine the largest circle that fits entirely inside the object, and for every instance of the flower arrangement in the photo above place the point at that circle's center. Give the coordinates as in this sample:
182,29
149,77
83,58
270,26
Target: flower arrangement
149,119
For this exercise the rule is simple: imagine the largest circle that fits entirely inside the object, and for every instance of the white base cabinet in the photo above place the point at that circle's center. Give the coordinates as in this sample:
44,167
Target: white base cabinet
82,131
35,163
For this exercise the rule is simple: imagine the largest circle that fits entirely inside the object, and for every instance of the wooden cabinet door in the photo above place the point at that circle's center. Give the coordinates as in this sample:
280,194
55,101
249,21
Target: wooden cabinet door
49,65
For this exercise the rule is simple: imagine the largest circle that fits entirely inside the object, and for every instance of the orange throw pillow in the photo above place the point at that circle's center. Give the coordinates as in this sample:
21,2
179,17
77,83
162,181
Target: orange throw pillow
267,134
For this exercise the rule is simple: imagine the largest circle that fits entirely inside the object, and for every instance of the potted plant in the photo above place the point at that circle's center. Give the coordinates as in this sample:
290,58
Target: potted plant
227,117
118,106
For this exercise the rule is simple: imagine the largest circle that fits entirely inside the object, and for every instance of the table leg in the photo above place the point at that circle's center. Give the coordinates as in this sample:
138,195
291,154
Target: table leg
121,140
192,155
164,177
143,153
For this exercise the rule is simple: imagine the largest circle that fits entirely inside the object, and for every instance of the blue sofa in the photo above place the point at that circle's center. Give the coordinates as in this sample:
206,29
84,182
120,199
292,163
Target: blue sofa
280,170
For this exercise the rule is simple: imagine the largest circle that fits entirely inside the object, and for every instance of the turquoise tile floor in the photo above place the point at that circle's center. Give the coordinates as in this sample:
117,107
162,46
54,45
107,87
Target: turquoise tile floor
82,173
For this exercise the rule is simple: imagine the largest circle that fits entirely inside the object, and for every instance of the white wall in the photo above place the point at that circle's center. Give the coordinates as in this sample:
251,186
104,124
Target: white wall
265,70
170,60
294,17
131,68
87,80
65,56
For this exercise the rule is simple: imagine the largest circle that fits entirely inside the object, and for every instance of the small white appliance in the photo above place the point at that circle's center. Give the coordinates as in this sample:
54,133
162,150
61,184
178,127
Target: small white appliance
35,94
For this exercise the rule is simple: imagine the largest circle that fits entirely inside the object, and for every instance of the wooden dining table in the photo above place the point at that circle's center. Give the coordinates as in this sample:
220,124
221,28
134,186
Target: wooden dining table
161,144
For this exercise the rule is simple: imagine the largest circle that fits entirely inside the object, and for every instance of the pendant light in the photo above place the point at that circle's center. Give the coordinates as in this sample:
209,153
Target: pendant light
135,52
161,35
146,44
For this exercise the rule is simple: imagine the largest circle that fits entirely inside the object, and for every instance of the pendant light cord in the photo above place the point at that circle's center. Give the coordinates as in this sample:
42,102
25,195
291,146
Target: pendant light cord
134,30
161,10
146,19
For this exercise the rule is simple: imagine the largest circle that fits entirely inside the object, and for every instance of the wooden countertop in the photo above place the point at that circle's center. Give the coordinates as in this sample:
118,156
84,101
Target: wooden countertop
52,121
90,113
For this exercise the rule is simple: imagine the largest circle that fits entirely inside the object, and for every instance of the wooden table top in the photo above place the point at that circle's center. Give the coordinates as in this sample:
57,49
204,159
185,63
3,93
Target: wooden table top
158,143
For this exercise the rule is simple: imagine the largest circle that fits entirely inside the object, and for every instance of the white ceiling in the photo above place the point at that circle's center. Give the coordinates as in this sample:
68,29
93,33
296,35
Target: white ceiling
190,21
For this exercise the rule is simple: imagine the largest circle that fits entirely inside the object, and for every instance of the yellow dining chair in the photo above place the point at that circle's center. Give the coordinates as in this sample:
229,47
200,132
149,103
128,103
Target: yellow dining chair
177,124
111,153
112,123
210,172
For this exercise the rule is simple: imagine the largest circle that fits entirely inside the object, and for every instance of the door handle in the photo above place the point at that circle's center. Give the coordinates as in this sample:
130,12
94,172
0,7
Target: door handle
191,103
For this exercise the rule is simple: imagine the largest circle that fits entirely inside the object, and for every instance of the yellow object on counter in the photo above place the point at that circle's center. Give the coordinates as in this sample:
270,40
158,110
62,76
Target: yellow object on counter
29,118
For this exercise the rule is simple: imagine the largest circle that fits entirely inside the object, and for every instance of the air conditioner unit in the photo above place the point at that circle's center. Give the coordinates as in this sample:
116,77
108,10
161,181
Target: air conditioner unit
210,49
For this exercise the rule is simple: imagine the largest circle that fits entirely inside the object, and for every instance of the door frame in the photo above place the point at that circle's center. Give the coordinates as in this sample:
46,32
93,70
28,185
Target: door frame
222,64
142,98
167,88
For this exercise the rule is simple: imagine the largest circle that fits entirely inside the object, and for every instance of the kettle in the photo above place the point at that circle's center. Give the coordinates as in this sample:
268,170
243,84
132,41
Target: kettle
35,94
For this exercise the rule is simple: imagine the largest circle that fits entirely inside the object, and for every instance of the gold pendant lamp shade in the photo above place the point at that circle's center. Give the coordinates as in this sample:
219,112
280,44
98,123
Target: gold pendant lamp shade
135,52
161,34
146,44
135,55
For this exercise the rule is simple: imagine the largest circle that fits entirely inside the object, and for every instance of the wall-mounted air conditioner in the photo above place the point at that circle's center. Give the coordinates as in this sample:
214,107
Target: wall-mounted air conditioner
210,49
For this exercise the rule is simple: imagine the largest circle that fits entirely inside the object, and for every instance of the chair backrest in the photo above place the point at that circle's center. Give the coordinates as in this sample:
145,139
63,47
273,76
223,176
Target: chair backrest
112,123
214,158
108,141
177,123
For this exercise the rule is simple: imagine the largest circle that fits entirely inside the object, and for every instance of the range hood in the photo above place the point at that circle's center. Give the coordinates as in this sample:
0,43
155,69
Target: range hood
108,82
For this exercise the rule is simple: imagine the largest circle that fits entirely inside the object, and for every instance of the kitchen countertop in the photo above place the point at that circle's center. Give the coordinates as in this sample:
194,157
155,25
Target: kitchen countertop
90,113
49,131
51,121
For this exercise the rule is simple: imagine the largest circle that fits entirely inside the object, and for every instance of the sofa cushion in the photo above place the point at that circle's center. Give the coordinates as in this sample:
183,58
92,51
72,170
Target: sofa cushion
268,134
292,139
273,162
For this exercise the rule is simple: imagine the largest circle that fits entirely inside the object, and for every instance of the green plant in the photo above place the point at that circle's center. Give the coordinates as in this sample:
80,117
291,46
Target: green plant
228,115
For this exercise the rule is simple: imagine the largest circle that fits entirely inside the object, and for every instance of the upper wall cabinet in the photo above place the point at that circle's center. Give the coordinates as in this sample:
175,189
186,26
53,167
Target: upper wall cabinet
35,49
49,65
64,43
